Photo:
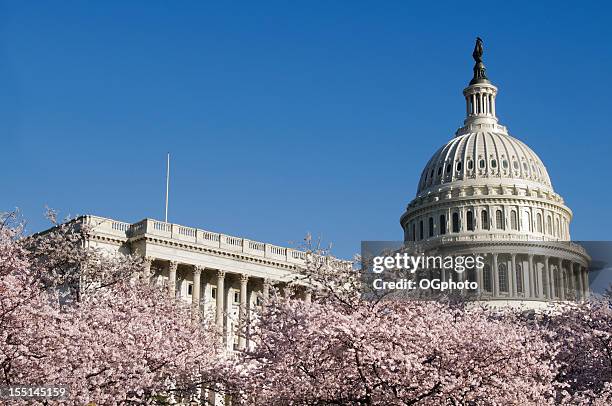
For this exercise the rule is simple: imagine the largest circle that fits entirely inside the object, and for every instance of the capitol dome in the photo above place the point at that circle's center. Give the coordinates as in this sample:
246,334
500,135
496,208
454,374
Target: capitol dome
474,157
487,192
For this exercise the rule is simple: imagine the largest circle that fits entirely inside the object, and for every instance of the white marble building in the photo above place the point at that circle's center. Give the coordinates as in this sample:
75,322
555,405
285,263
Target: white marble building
222,274
487,192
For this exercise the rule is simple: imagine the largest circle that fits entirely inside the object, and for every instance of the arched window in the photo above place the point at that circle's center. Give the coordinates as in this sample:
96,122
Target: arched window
484,219
519,278
470,220
503,277
499,220
455,222
539,222
486,278
513,220
431,227
526,221
548,225
421,230
443,224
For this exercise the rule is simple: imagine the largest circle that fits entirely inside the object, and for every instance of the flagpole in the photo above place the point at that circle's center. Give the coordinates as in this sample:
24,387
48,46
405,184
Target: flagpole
167,184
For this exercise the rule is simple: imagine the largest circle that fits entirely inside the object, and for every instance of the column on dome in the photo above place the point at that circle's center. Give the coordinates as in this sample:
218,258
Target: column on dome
513,281
549,277
561,278
580,282
533,293
172,267
495,276
244,279
585,277
480,276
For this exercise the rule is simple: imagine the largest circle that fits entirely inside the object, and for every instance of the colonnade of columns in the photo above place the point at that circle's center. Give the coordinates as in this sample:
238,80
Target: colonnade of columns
222,293
544,278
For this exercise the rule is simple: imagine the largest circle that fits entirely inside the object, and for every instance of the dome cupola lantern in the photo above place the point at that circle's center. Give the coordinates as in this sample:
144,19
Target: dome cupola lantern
480,94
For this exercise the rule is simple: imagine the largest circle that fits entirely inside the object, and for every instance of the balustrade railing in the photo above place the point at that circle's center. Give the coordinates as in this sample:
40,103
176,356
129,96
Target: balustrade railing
196,236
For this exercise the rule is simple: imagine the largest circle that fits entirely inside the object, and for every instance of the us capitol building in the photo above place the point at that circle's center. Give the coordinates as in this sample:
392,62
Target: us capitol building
485,192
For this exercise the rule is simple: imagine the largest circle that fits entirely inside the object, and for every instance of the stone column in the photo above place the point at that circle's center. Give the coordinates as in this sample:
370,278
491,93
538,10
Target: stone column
513,281
266,289
195,297
480,277
561,278
585,276
220,296
579,285
146,271
172,278
549,288
533,292
495,276
244,280
308,295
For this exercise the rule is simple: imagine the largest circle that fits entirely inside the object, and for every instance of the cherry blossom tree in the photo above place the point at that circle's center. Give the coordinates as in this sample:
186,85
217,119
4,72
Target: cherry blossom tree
122,341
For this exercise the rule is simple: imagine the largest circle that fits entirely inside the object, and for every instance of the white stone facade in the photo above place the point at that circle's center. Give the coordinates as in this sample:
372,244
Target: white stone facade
222,274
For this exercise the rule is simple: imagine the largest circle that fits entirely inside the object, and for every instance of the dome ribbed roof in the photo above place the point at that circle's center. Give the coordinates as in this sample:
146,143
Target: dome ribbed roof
481,158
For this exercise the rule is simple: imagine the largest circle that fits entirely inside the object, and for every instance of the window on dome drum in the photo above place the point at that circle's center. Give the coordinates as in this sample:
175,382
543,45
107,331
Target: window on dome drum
431,227
505,164
459,166
525,167
539,222
421,230
515,165
455,222
513,220
499,220
484,219
470,220
442,224
486,278
503,277
519,278
470,164
548,225
493,164
527,226
449,167
439,171
481,164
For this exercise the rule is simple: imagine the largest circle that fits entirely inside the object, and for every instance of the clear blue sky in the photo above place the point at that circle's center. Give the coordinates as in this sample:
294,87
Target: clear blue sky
289,117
